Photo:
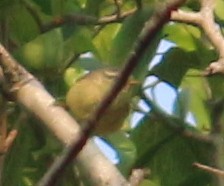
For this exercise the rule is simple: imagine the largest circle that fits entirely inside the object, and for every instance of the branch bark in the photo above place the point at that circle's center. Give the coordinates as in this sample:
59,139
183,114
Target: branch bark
209,169
153,26
31,94
205,19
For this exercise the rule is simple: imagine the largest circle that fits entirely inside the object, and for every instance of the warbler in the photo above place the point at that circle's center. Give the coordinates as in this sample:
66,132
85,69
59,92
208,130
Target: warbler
87,93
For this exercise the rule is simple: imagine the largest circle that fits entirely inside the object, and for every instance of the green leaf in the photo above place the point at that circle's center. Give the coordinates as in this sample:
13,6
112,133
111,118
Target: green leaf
193,5
19,160
184,36
103,42
7,7
148,183
70,6
44,52
18,21
176,62
126,151
216,84
93,7
219,9
45,5
72,74
79,42
123,42
169,155
198,93
174,59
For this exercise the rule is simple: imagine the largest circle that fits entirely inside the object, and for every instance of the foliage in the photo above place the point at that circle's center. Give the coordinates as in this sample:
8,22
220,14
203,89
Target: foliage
61,51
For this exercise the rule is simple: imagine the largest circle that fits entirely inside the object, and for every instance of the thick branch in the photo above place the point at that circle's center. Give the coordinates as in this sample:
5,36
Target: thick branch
186,17
31,94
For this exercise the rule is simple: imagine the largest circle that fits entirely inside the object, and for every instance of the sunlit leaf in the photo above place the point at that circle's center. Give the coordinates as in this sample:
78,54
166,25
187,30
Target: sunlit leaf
43,52
72,74
124,41
219,9
185,36
103,42
79,42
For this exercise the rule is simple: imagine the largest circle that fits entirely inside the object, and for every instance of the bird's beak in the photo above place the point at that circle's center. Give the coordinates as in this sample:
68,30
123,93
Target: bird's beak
134,82
131,83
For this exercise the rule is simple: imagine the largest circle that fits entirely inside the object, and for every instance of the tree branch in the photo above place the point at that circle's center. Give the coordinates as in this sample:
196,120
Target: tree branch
76,18
29,92
137,176
146,37
205,19
186,17
118,8
85,20
209,169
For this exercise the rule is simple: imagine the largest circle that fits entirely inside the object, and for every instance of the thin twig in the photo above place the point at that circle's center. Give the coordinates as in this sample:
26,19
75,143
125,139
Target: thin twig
117,4
69,62
209,169
137,176
146,37
6,139
113,18
85,20
138,4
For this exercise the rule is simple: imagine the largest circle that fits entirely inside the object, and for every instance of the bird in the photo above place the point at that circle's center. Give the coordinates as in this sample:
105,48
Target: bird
86,94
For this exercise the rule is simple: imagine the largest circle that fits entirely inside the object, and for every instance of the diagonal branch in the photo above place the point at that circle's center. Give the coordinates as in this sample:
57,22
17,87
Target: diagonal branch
29,92
146,37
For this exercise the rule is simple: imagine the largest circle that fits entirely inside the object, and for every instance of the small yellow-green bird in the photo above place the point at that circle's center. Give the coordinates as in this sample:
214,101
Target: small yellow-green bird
87,93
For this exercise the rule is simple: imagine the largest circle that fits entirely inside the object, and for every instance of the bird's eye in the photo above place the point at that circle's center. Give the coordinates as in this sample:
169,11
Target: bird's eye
111,73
